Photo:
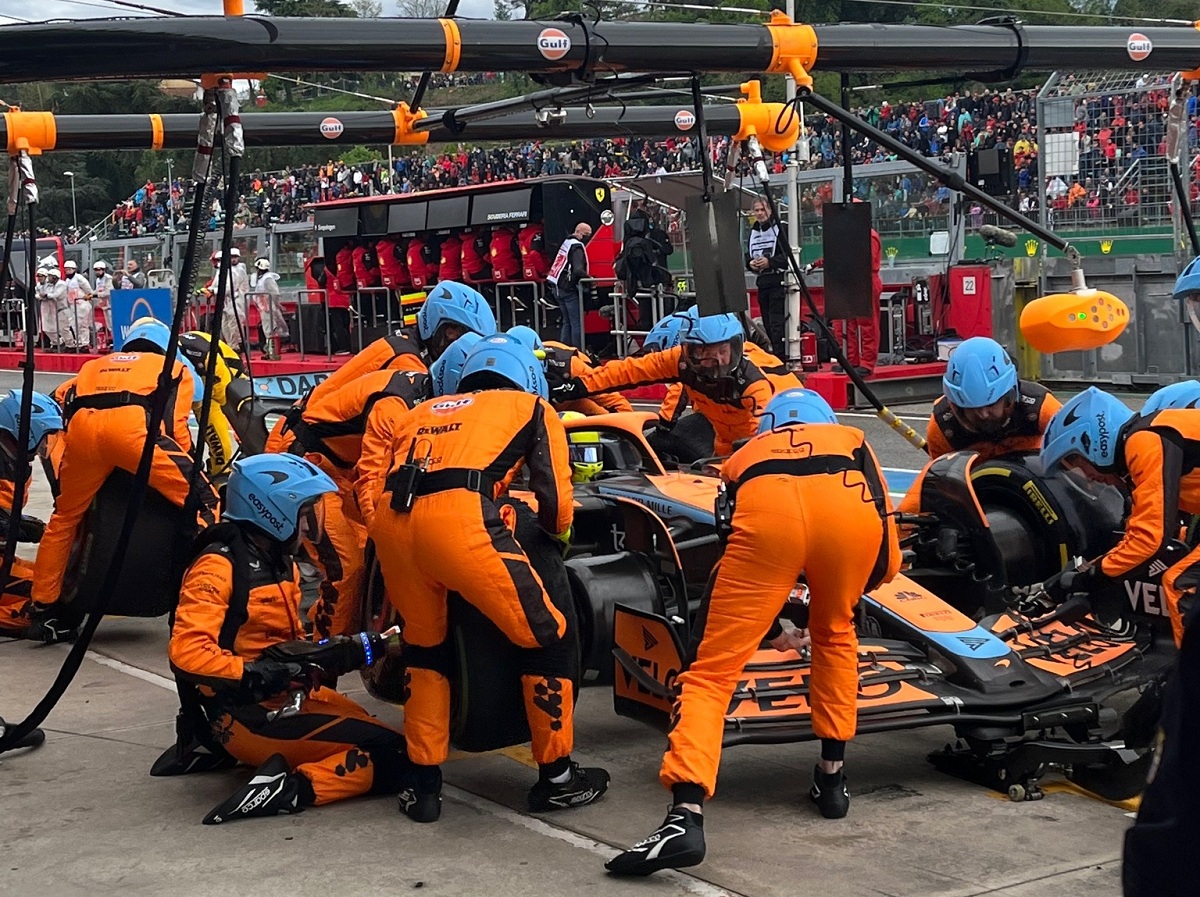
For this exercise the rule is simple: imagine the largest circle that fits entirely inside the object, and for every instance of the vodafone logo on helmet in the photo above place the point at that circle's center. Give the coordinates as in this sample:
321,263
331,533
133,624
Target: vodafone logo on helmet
553,43
685,119
331,128
1138,46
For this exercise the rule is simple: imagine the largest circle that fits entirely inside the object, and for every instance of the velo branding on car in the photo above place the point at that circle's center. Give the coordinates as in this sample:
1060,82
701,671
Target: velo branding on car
553,44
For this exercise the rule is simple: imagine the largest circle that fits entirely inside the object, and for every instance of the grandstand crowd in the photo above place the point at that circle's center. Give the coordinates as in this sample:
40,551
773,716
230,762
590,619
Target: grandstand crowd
1114,131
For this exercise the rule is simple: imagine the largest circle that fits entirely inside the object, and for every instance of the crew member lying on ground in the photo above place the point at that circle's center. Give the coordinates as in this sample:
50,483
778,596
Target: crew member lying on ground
437,528
800,474
44,419
241,596
562,361
723,385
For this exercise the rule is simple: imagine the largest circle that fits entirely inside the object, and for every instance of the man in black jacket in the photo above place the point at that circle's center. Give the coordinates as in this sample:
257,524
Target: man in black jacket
766,256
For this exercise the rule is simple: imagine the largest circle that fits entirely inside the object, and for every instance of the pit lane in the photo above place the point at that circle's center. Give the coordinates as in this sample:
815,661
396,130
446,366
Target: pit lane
82,815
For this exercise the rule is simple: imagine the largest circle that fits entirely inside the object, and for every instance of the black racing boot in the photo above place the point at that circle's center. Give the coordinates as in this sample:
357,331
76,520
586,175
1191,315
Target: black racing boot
585,785
274,789
676,844
50,624
421,801
829,793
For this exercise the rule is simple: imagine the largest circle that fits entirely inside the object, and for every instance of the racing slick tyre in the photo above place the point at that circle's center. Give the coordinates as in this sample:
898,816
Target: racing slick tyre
252,417
487,710
152,569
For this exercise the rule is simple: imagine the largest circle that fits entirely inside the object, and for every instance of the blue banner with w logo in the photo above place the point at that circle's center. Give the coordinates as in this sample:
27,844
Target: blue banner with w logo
129,305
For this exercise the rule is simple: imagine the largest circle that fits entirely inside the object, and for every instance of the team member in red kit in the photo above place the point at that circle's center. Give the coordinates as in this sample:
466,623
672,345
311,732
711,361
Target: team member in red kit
786,486
437,528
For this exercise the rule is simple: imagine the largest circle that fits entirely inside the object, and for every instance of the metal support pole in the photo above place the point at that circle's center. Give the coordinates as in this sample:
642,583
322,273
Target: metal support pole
791,321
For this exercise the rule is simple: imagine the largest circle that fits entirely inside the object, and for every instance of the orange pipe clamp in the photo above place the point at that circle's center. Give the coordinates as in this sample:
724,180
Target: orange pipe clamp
30,131
764,121
405,120
795,50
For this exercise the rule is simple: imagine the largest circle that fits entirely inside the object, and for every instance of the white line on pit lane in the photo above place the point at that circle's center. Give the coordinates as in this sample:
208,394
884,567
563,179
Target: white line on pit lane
689,883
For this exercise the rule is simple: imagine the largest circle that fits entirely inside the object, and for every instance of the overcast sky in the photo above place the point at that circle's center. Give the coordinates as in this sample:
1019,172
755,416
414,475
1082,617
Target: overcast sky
22,10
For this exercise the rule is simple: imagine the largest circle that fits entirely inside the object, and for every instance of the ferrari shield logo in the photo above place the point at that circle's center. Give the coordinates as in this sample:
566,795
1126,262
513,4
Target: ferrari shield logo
600,194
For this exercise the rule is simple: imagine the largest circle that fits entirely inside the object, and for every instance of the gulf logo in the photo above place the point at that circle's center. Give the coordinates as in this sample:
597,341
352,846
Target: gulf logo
553,44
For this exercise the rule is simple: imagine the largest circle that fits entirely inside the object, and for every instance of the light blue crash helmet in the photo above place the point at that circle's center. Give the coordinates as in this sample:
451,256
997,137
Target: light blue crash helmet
269,492
979,374
501,356
152,335
667,333
1087,425
795,406
528,337
1187,290
712,330
447,370
44,417
1173,398
453,303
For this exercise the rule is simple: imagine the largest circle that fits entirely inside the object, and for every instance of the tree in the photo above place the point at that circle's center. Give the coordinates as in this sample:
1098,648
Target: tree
327,9
420,9
367,9
502,11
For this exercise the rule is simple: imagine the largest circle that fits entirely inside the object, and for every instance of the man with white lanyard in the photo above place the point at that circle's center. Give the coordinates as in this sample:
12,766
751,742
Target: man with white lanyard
766,256
568,268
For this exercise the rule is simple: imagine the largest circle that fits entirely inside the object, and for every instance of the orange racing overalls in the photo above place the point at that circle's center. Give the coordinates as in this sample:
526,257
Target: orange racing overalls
340,749
572,362
329,432
732,404
807,500
455,539
106,410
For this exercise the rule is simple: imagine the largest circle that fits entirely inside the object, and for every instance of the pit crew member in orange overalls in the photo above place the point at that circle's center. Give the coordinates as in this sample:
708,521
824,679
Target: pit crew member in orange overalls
802,471
328,431
1153,457
44,418
241,596
722,383
437,529
568,361
106,408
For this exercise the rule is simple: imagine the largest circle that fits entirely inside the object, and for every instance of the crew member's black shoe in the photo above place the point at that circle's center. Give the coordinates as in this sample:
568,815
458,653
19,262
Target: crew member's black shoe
830,794
421,801
274,789
48,626
583,787
676,844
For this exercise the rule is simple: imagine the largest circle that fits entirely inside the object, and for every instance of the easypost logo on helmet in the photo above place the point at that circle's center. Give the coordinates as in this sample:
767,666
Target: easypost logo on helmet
553,44
266,514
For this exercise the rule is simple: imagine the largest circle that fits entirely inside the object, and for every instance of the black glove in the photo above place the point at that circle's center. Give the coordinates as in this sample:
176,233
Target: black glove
569,390
262,679
663,427
1062,585
32,529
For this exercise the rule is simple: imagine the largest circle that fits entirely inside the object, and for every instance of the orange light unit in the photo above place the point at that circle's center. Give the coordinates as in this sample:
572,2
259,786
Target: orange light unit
777,130
1073,322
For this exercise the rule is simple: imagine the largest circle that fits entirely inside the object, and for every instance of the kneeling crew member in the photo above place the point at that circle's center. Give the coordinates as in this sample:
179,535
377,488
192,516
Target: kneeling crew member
241,596
1098,435
437,529
801,471
107,407
721,382
44,419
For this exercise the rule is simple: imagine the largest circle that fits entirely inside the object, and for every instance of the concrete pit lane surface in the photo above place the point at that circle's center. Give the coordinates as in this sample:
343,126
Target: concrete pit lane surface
82,816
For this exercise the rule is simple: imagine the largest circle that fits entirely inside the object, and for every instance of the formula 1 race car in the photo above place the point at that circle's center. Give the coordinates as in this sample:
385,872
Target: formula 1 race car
1022,692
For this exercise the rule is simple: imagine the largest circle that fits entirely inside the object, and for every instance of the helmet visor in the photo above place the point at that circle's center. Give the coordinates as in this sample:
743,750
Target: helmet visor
714,360
588,453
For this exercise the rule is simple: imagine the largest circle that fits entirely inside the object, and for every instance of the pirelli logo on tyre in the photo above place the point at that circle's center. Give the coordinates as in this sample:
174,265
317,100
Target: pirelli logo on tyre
553,44
685,119
1138,46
